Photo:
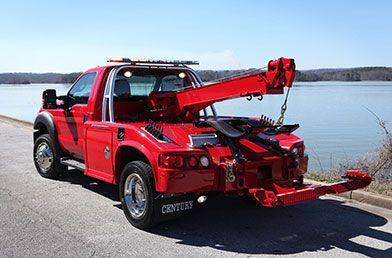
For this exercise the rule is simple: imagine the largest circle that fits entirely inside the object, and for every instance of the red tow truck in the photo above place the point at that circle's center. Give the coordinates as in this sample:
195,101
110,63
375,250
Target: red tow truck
151,128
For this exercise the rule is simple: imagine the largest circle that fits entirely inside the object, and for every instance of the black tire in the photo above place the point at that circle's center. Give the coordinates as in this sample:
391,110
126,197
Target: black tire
56,168
143,171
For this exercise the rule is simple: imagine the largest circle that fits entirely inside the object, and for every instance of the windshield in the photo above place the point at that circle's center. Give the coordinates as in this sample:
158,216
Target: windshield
141,82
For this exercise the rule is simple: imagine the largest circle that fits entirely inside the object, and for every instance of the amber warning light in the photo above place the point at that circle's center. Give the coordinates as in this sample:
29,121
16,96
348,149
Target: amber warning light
151,61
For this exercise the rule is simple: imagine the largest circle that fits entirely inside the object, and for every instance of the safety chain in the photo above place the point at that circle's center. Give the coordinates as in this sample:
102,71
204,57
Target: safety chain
279,121
230,176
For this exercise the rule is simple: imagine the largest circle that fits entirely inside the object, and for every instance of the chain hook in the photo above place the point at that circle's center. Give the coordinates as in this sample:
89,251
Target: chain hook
279,121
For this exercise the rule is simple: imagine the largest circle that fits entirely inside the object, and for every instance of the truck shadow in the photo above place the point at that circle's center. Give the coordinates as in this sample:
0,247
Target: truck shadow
77,177
230,224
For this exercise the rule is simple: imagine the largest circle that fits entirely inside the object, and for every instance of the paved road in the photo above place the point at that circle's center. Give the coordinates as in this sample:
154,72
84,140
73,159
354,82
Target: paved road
79,216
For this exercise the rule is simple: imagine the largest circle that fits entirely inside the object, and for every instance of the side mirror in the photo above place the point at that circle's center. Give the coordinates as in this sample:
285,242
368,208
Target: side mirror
49,99
63,102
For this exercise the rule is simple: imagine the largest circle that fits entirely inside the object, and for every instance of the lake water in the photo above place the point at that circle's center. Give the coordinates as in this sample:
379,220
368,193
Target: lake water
334,121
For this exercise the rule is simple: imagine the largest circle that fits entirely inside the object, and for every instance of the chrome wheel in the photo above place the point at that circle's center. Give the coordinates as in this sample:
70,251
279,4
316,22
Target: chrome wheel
44,157
135,195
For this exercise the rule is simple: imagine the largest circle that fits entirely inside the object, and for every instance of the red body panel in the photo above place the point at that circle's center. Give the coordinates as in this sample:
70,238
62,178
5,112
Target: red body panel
99,135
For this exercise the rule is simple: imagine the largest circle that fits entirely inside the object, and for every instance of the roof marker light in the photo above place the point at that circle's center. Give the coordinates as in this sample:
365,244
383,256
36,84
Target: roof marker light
128,74
151,61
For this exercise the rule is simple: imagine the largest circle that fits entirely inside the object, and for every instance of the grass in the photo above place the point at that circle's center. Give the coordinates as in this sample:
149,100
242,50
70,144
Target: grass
377,164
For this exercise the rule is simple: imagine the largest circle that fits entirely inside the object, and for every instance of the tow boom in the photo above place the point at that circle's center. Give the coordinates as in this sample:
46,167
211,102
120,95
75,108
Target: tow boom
280,73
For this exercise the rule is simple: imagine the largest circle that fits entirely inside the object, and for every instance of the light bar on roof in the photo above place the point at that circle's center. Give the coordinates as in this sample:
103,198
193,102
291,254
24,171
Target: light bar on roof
151,61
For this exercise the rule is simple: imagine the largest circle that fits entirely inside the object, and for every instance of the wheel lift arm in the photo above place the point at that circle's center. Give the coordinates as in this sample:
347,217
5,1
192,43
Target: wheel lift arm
277,195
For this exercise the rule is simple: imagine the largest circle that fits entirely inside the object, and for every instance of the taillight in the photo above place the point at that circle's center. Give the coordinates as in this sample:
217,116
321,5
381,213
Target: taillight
298,149
171,161
204,161
184,161
193,161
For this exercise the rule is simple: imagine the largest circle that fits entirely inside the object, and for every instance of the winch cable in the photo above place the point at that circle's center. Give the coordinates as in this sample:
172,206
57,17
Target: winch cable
240,73
280,120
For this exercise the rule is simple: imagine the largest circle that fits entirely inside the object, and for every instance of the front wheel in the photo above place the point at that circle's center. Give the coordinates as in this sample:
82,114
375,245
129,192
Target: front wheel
137,194
46,158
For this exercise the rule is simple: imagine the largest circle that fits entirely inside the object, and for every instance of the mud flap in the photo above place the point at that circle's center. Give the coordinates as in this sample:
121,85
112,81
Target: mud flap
167,207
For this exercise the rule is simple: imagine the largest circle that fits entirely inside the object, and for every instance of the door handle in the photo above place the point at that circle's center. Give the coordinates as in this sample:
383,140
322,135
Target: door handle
99,126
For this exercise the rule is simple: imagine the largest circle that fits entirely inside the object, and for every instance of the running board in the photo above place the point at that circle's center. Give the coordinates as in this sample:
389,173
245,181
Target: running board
73,163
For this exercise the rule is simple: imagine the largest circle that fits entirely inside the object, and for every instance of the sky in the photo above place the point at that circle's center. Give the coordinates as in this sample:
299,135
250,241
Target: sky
68,36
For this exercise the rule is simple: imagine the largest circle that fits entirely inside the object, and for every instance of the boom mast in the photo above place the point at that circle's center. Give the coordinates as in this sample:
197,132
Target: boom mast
280,73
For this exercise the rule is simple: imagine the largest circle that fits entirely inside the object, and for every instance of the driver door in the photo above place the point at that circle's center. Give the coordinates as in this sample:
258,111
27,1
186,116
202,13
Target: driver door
71,130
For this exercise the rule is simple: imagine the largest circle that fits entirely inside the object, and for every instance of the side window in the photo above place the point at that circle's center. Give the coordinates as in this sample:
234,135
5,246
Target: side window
80,92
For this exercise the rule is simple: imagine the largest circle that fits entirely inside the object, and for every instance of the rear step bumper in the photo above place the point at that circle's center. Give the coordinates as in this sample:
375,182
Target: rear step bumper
278,195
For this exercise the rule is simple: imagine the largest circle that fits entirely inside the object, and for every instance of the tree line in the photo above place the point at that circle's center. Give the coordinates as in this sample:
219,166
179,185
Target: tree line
350,74
27,78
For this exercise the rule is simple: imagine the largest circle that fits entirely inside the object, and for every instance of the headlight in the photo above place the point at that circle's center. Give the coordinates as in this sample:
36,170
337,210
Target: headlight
204,161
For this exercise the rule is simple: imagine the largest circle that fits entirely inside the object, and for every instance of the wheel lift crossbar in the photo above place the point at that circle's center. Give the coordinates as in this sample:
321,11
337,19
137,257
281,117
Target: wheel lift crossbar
278,195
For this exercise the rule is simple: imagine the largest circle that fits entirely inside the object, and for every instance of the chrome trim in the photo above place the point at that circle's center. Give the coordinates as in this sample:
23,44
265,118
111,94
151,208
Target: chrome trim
106,97
99,126
135,196
44,157
106,152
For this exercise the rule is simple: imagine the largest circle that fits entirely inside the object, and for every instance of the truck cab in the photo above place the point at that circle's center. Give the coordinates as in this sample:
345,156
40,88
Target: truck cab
151,128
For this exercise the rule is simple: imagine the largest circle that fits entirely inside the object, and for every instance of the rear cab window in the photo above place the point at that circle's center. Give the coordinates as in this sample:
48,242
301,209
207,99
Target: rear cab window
140,83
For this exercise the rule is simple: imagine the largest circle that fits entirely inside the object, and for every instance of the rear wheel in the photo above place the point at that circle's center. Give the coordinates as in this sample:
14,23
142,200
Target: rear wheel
137,194
46,158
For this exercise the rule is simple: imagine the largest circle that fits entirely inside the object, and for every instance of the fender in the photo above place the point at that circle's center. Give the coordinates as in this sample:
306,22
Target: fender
46,119
142,149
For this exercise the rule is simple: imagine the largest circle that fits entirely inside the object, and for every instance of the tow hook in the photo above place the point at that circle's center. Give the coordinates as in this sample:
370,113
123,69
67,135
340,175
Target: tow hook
230,176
